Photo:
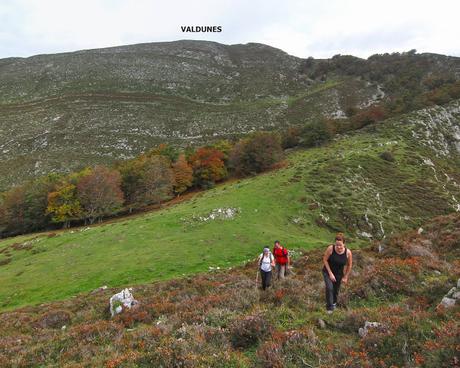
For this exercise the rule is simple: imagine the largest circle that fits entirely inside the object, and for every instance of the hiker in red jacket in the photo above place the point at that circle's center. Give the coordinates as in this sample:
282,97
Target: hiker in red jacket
282,260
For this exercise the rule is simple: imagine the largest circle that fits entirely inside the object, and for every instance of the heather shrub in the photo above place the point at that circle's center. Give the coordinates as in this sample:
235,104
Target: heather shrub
129,318
54,319
352,321
442,350
270,355
387,156
101,332
386,279
219,317
397,345
192,352
289,349
301,347
248,331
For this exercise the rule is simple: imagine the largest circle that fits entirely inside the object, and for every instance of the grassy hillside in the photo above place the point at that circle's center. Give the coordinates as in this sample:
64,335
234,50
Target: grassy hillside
64,111
346,186
221,319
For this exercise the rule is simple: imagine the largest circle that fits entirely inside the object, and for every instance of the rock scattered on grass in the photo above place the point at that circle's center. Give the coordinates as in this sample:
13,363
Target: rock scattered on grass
122,300
376,326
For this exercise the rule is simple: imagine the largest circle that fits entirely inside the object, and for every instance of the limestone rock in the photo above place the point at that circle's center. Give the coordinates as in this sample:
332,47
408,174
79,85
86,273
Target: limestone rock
122,300
363,331
452,297
447,302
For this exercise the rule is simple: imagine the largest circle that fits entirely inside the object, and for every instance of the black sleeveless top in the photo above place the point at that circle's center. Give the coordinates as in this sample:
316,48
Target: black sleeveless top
337,262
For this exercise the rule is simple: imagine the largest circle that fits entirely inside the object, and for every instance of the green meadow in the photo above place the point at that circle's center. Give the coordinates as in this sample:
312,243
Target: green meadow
344,186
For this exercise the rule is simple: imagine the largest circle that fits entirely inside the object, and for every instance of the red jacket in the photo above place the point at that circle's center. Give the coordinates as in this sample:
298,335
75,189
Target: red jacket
281,255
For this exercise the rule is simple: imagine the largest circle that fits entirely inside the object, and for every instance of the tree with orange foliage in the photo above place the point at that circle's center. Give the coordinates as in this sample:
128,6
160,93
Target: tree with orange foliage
208,166
368,116
183,175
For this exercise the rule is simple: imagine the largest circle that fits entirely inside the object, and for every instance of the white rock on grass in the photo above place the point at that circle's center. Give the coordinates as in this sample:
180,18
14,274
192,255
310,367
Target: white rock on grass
452,297
363,331
122,300
448,302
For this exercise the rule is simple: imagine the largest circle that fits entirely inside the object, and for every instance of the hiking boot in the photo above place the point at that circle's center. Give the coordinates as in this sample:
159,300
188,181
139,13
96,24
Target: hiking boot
329,311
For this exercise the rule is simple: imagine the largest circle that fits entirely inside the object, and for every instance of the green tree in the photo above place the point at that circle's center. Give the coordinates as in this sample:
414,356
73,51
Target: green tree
131,176
315,134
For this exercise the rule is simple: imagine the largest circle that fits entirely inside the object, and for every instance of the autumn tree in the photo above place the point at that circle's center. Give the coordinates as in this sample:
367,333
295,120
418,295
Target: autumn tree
291,137
13,208
100,193
63,204
256,153
224,146
208,166
164,150
368,116
183,175
156,181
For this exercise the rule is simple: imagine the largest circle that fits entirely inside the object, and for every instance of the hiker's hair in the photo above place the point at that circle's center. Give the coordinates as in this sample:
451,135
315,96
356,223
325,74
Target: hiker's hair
340,237
277,241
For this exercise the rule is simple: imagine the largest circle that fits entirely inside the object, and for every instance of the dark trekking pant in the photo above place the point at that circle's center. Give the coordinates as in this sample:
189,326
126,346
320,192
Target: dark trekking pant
332,290
266,278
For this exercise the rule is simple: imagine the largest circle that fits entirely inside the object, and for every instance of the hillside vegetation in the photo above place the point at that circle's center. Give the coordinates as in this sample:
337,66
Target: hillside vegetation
221,319
386,178
65,111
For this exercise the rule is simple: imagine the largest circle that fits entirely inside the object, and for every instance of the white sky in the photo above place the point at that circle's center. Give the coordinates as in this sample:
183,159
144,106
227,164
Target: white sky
302,28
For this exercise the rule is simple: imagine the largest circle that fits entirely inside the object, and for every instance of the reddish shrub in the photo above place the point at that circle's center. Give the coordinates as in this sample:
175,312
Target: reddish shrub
131,317
55,319
101,332
249,331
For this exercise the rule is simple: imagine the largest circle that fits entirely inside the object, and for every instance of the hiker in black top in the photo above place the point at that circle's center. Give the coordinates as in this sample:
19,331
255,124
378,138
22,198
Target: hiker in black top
335,259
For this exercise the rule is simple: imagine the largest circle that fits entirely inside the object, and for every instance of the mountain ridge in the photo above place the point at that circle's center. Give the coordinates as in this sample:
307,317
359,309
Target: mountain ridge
59,112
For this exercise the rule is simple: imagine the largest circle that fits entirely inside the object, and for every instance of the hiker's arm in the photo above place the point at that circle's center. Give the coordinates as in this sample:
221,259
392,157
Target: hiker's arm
326,256
348,267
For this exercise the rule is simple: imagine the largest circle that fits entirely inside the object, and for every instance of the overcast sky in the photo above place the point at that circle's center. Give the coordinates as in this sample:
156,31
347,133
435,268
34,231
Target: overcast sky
317,28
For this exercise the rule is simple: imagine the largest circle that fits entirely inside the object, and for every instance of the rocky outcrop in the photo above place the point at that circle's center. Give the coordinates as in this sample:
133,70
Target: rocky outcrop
452,297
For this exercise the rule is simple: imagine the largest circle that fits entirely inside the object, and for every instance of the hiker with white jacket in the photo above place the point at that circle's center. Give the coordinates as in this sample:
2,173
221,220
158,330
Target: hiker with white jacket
266,263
